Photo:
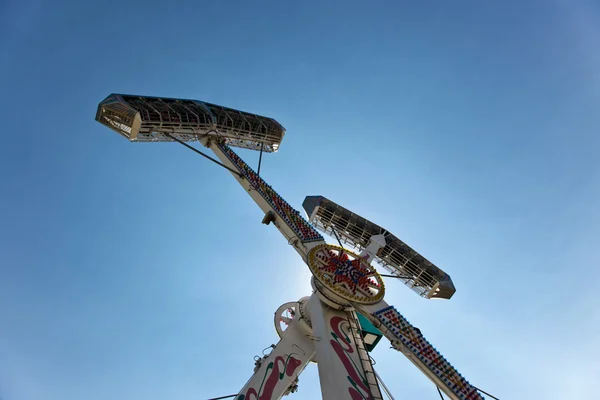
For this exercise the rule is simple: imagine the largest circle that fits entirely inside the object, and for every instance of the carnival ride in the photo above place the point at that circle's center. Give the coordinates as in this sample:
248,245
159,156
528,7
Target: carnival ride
346,315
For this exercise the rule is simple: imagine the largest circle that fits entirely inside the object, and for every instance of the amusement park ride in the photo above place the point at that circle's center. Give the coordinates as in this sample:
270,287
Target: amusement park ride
346,314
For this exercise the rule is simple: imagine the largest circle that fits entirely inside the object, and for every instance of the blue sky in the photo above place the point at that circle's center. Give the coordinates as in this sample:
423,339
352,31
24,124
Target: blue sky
141,271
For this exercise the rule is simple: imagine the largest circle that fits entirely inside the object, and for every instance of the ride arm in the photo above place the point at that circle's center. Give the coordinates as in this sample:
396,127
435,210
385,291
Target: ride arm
294,228
408,339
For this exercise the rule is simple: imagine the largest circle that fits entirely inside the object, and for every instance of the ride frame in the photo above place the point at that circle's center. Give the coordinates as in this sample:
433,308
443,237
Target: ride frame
324,327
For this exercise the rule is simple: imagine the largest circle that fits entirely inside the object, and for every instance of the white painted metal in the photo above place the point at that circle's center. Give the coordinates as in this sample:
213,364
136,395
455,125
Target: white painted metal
345,370
288,233
408,339
327,330
363,355
384,387
375,243
277,372
284,316
329,371
331,333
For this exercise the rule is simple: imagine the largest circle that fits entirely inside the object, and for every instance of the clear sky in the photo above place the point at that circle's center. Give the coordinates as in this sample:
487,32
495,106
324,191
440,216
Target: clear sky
141,271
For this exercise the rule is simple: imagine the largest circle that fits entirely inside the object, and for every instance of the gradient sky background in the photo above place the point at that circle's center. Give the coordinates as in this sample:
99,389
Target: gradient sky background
141,271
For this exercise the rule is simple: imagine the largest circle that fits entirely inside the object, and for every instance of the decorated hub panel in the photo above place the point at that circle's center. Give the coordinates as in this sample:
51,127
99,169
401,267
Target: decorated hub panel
429,357
286,213
150,119
413,269
346,274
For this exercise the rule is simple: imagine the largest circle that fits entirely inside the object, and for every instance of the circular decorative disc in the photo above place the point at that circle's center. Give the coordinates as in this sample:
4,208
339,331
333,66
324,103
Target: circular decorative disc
284,316
346,274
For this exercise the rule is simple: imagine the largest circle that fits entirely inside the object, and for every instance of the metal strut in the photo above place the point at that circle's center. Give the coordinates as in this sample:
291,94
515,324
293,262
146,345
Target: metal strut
395,276
439,392
486,393
338,238
204,155
385,388
260,158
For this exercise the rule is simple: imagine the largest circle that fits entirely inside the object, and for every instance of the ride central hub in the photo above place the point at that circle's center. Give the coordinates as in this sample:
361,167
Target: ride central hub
346,274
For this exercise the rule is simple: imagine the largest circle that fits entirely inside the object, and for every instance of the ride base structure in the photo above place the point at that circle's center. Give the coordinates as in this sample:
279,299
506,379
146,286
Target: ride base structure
346,314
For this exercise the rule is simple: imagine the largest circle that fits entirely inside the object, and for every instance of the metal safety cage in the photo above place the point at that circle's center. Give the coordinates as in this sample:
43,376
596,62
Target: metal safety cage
160,119
397,257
